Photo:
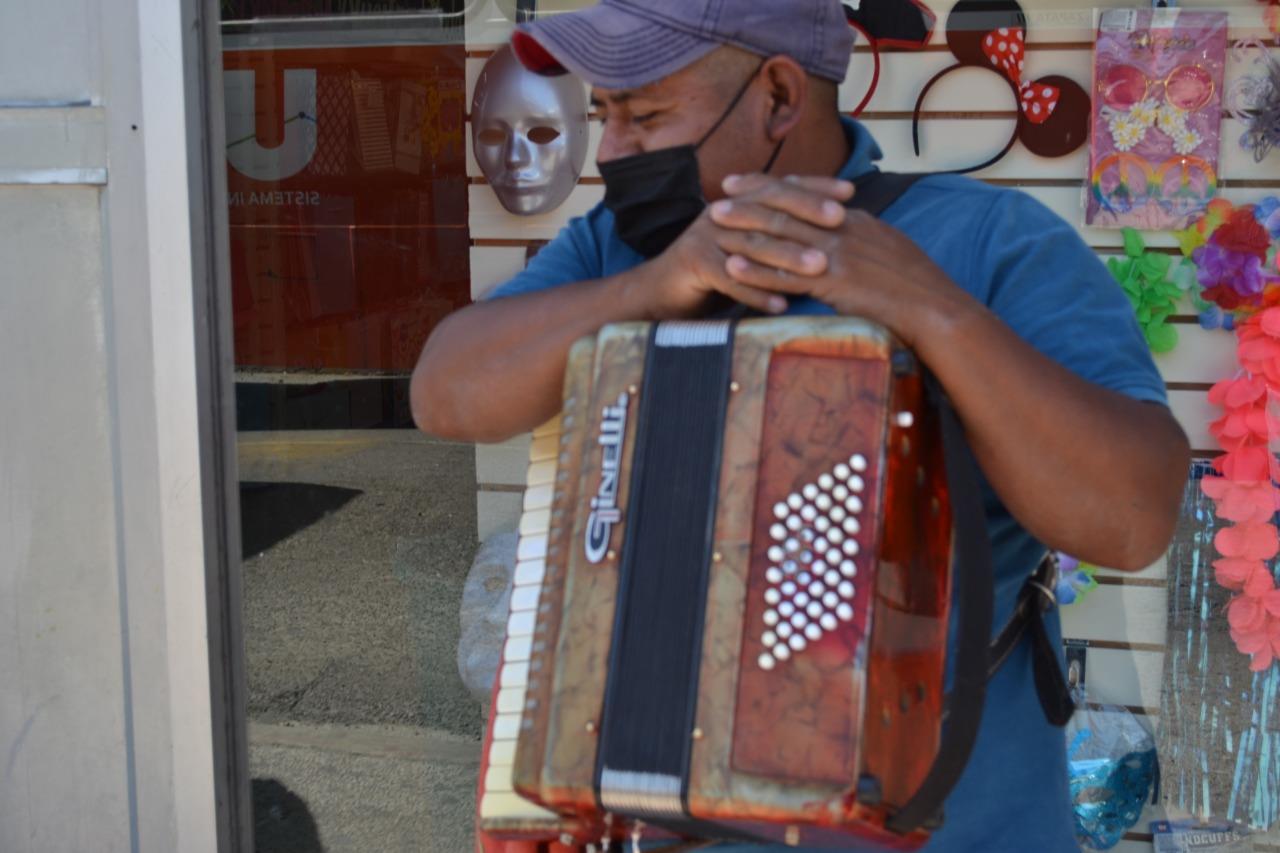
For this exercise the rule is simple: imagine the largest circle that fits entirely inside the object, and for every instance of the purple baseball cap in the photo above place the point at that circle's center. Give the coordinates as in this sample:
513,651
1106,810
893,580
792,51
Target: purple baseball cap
626,44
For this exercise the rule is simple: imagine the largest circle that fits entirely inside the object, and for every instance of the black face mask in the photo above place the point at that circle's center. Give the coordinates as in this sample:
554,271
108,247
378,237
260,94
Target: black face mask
656,195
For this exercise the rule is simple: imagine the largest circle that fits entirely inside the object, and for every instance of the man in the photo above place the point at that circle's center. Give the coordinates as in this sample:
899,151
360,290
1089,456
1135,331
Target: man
1017,318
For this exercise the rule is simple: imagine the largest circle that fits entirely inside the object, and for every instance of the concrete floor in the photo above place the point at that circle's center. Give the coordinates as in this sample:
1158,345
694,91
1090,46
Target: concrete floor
358,543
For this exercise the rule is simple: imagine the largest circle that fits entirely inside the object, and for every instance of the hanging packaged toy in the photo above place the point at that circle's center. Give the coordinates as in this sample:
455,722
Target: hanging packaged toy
1157,113
1111,762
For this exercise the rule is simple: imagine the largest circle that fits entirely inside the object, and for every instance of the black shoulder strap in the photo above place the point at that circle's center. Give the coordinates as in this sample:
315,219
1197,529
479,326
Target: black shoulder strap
876,190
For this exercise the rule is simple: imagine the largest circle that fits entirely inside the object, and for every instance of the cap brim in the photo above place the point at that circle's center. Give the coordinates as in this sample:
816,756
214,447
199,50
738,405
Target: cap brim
607,47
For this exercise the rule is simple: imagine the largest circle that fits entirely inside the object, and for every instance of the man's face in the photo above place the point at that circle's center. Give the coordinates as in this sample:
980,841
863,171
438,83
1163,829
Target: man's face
679,110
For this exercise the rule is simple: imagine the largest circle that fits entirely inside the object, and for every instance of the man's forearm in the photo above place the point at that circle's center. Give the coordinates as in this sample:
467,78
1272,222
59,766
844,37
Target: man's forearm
1086,470
495,369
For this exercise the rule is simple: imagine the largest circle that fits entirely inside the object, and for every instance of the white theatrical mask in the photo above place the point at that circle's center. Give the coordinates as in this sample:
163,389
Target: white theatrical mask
529,134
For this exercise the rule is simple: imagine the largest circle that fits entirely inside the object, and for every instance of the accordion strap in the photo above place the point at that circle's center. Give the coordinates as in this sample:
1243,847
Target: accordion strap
976,657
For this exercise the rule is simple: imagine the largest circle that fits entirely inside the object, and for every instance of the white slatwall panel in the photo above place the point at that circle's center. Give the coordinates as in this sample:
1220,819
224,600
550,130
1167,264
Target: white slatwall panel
1125,616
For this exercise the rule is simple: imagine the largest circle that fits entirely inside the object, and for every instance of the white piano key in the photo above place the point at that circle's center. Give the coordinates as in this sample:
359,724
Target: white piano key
514,675
521,624
502,804
530,572
538,497
551,427
541,473
517,648
502,753
511,700
524,598
506,726
535,521
544,447
498,779
531,548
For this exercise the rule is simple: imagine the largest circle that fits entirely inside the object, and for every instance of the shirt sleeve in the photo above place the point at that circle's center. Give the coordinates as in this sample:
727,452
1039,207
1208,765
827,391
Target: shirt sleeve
574,255
1056,294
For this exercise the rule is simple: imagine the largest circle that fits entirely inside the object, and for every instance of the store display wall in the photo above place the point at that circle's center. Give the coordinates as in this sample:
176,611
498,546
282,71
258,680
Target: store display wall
968,117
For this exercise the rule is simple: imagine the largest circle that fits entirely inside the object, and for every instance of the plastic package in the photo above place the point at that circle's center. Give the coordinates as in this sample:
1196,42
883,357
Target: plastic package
1112,768
1156,119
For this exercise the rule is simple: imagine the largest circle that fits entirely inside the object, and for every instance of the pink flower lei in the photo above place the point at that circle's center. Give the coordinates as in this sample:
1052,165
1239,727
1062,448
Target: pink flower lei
1235,253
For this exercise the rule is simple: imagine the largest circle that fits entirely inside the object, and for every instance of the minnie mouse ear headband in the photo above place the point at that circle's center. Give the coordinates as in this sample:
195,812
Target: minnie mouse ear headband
1053,111
626,44
904,24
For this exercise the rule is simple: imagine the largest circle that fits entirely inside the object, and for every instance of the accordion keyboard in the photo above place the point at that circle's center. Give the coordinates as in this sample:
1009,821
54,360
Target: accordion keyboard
500,801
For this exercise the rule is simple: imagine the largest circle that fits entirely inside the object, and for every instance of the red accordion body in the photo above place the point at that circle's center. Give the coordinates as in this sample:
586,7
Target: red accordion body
731,602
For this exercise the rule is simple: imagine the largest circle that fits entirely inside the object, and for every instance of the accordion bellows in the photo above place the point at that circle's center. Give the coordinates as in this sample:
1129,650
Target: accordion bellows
730,607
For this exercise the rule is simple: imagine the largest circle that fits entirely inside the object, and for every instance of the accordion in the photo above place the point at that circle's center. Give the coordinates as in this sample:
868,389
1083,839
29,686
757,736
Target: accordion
730,608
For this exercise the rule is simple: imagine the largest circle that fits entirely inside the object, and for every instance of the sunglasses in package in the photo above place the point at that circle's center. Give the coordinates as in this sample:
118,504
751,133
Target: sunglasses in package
1157,114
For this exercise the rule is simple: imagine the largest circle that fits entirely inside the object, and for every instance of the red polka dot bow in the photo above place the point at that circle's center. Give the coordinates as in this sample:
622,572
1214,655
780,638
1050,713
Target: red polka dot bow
1006,49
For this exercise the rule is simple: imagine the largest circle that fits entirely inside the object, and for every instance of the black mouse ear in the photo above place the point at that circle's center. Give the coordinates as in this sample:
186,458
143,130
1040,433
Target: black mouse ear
905,24
971,21
1053,116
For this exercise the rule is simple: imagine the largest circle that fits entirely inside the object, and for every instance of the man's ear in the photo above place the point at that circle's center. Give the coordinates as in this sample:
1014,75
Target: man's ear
788,86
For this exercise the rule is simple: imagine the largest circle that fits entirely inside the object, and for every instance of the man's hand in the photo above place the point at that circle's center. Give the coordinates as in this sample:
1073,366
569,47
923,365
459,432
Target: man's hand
849,260
693,268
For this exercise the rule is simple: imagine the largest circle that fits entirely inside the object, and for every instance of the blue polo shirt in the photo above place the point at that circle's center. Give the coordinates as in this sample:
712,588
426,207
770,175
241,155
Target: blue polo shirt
1033,271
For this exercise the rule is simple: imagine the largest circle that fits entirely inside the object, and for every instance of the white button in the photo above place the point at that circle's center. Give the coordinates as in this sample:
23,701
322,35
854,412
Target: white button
826,481
820,545
794,501
771,596
822,523
828,621
816,588
794,523
808,513
842,471
786,608
854,504
850,547
769,638
801,599
846,589
782,652
797,642
784,630
766,661
778,532
773,574
835,536
832,579
851,526
799,620
789,588
840,492
830,600
848,568
858,462
780,510
776,554
771,616
855,483
810,491
823,502
813,632
814,610
844,611
838,514
906,419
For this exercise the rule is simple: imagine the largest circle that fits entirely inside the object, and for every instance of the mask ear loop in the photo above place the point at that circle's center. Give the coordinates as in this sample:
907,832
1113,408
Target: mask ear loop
915,122
732,104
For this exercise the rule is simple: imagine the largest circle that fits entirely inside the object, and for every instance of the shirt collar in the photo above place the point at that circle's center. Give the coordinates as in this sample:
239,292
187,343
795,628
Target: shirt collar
863,150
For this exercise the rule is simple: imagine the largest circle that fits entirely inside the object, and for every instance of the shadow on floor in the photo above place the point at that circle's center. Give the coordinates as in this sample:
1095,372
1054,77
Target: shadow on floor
282,823
270,512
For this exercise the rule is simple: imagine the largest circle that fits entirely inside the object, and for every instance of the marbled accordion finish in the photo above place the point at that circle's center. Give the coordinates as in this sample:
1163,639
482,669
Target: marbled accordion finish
820,674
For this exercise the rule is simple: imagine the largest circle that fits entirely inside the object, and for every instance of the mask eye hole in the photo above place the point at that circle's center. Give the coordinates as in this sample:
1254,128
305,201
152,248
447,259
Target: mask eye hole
543,135
491,136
